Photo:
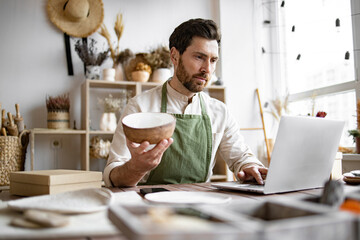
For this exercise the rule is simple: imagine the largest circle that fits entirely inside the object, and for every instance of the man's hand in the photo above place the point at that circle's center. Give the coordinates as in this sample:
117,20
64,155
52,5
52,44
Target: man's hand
253,172
143,160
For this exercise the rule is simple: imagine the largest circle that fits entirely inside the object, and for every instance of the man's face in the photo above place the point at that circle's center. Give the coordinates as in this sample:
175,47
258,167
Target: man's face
197,64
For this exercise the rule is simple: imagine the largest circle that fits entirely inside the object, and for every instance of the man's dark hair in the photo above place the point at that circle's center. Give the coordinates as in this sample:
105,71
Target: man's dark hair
182,36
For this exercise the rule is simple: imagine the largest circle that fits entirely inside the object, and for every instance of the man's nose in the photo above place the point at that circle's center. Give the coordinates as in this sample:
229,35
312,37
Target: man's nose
206,67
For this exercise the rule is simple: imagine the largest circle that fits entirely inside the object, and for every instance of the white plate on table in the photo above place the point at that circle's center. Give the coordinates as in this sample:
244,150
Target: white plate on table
72,202
184,197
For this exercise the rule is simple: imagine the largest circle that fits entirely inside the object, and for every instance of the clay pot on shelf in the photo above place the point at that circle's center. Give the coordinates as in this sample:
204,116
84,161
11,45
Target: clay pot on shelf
109,74
140,76
161,75
119,72
357,142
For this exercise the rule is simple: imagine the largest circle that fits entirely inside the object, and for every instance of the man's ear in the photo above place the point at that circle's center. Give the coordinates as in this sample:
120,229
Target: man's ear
174,56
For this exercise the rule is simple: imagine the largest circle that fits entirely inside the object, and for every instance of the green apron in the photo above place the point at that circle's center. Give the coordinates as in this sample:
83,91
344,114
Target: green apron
188,158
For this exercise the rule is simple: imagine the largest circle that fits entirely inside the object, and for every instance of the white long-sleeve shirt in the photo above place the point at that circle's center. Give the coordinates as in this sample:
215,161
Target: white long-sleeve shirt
226,137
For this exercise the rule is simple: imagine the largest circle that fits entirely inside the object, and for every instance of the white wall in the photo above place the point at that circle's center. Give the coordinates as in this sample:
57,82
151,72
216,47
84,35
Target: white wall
241,65
33,63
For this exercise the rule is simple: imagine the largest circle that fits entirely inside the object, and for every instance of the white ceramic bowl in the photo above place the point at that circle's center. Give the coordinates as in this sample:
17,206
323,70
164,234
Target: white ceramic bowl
148,126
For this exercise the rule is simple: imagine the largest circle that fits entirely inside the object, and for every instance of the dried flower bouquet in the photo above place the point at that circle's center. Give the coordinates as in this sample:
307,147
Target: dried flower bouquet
88,53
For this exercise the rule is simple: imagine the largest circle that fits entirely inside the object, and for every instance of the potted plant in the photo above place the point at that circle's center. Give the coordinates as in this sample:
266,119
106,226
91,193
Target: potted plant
160,62
141,72
91,58
58,107
355,133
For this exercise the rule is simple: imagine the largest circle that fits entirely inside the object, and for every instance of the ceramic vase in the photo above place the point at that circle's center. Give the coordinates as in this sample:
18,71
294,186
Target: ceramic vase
357,142
119,72
108,122
161,75
92,72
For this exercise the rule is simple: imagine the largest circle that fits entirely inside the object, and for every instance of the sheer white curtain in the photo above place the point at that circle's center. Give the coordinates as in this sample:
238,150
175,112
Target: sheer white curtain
312,58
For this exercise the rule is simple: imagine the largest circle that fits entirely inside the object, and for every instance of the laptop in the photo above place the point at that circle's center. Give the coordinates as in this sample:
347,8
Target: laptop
302,158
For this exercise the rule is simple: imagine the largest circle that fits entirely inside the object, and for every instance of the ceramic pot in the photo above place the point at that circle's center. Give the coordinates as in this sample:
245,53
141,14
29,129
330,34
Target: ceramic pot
119,72
161,75
92,72
108,122
140,76
109,74
357,141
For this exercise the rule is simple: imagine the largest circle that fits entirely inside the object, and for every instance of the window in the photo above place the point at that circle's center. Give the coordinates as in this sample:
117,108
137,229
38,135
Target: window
316,59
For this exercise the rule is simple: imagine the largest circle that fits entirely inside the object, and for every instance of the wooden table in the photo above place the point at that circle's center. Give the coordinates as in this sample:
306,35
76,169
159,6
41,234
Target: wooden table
203,187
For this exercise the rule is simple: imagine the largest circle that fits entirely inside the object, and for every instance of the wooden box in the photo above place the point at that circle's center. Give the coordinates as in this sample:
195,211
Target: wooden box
30,183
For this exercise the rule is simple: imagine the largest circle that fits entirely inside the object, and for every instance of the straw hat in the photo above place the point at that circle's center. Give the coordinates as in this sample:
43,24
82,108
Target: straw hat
77,18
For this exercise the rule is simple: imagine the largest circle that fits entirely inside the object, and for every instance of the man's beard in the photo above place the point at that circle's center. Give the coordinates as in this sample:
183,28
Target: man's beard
185,78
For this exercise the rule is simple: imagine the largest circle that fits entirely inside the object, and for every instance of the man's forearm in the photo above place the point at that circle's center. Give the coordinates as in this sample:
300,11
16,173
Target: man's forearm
124,176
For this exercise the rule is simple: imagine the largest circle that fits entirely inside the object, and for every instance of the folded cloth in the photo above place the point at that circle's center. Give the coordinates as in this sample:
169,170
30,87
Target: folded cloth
73,202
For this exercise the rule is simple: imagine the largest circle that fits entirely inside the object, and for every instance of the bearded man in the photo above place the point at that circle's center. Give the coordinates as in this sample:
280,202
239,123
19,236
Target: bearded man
204,125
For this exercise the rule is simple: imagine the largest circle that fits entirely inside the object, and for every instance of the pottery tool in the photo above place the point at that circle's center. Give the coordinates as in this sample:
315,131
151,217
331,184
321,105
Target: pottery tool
3,119
12,128
19,121
46,218
3,132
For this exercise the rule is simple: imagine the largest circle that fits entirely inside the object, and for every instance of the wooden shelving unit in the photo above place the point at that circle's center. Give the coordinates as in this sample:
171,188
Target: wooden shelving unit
220,171
47,131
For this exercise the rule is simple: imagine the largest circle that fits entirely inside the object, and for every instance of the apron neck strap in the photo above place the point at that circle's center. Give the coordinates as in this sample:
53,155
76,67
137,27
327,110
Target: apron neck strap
164,100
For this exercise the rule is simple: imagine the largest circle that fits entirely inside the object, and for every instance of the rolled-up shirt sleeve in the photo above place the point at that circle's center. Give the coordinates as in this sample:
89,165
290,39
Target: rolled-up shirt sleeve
232,147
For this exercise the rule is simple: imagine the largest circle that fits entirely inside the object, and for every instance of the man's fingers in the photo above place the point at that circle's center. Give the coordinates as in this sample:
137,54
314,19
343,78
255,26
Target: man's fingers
241,175
253,173
162,146
258,177
263,171
138,148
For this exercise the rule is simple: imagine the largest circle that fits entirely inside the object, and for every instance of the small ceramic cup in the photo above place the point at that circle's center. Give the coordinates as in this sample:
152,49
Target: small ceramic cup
109,74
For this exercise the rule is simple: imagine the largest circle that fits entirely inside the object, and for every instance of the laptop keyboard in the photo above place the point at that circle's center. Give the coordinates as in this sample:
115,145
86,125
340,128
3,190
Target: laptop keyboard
257,186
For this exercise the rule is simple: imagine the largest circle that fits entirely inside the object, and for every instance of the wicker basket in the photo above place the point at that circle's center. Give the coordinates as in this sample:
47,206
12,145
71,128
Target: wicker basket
12,155
58,120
